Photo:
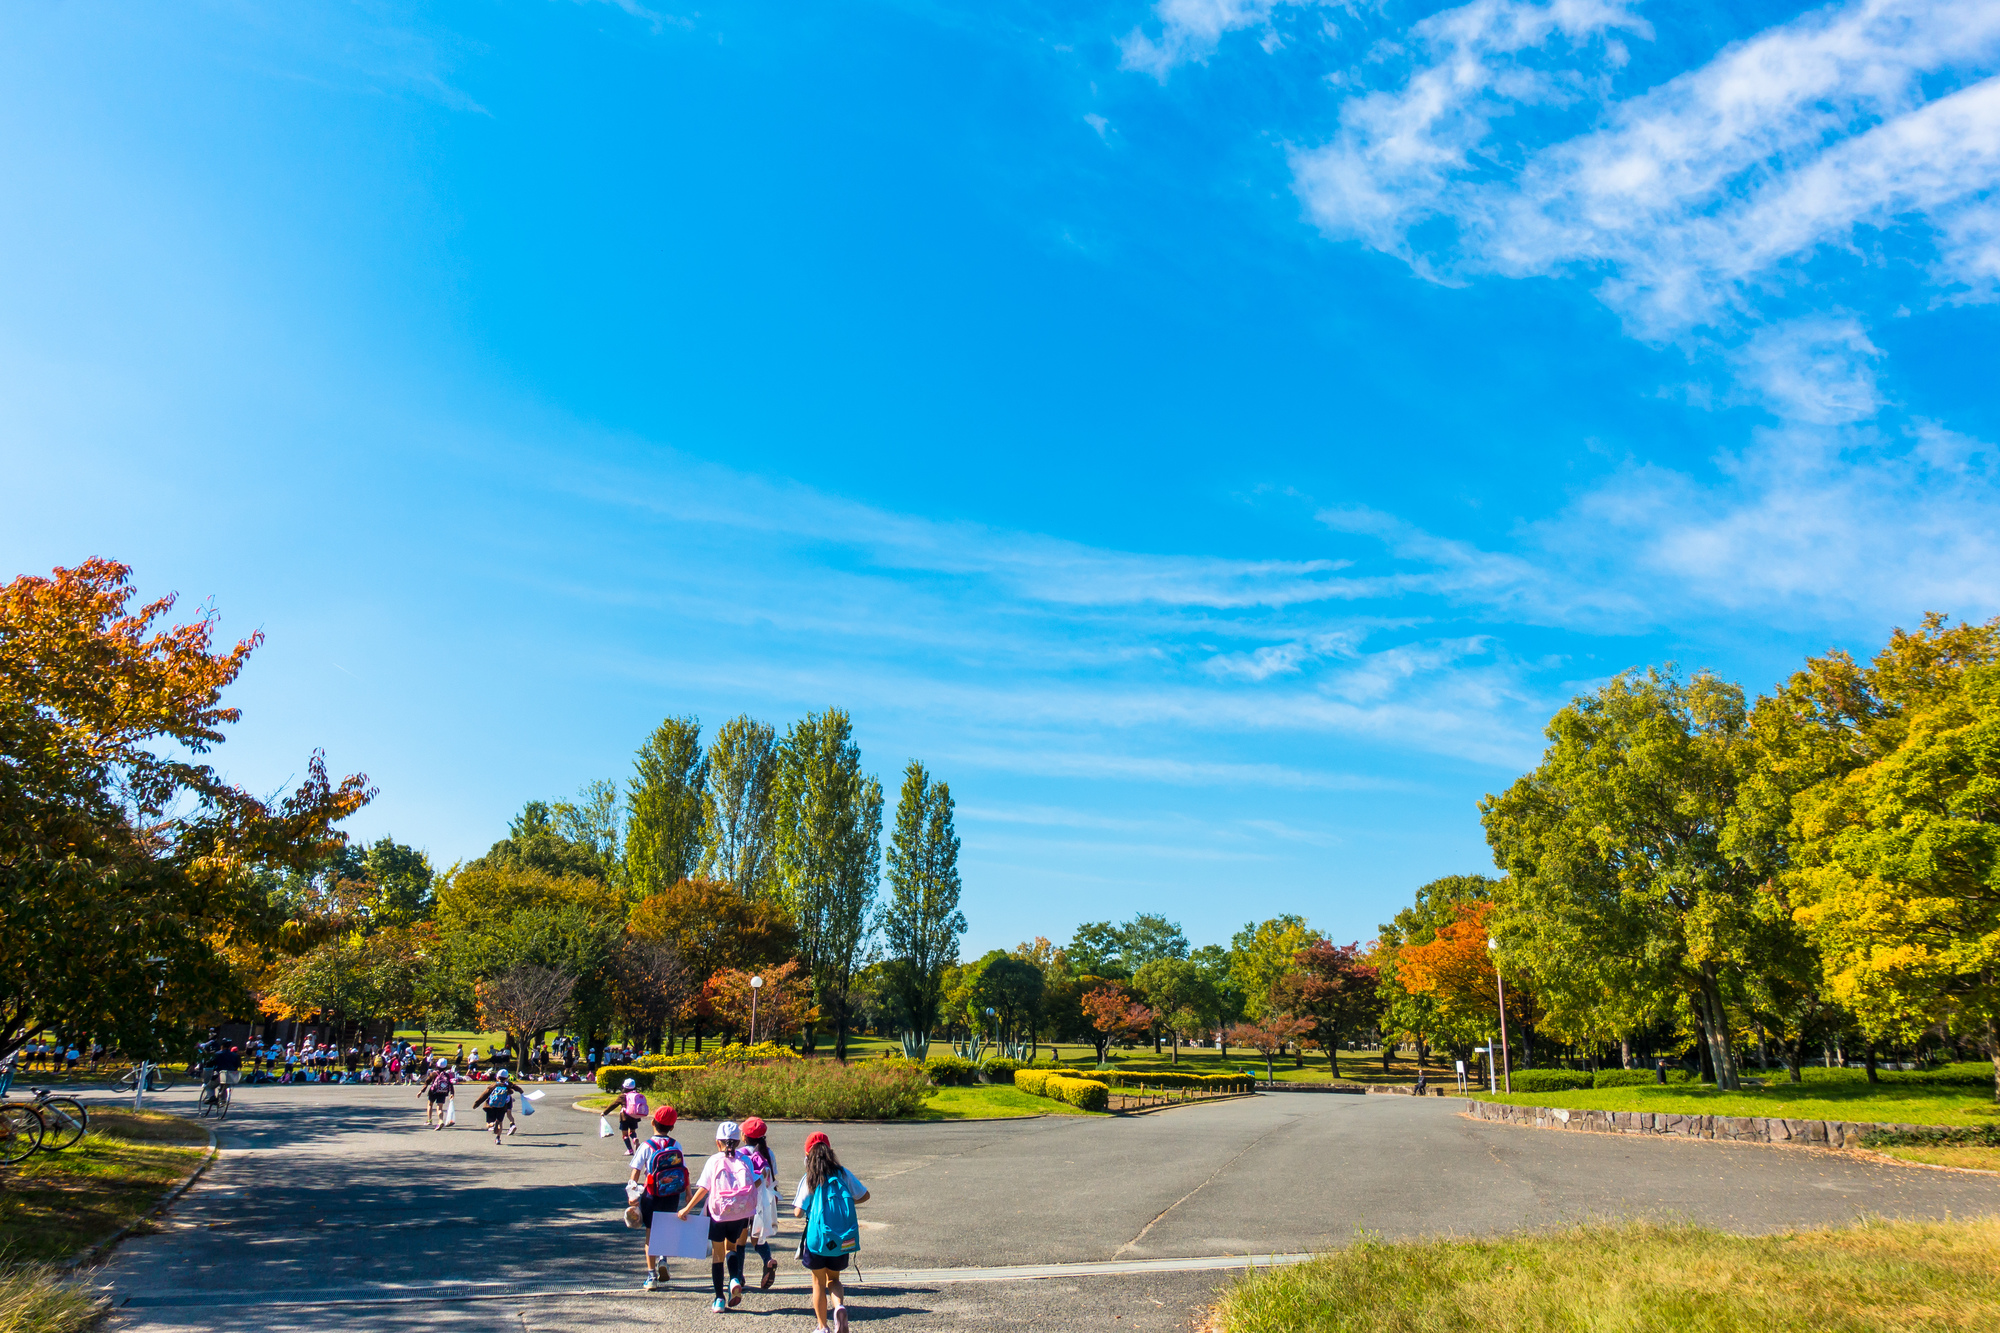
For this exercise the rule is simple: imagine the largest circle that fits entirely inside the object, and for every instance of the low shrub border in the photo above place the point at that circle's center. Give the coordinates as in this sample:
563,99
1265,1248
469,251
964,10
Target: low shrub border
1932,1136
1730,1128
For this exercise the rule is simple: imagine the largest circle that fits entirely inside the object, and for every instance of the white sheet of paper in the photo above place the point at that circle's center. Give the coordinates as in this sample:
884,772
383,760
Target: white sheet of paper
677,1239
537,1095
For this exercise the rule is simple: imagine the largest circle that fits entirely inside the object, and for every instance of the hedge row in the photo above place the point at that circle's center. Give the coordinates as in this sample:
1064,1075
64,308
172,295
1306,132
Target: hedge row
1554,1080
1129,1078
1978,1136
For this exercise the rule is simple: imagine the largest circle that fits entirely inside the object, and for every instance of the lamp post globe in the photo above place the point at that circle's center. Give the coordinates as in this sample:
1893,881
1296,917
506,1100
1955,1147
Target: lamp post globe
756,984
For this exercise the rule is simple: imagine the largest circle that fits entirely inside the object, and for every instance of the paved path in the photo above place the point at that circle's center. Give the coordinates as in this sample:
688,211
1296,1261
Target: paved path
340,1194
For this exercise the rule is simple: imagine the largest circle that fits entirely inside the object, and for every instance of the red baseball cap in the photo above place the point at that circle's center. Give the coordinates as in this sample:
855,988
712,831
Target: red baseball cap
665,1116
755,1128
814,1140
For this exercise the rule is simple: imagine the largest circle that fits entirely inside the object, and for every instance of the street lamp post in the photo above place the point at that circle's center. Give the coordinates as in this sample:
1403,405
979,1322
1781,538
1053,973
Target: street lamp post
756,984
1506,1065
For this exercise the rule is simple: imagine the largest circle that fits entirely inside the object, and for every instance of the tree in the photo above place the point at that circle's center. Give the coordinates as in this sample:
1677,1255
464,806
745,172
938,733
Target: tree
524,1002
402,876
1219,989
1176,990
1616,838
1107,950
129,868
491,919
1270,1035
1012,989
712,927
783,1004
534,842
593,822
736,806
663,822
1261,953
829,832
921,923
1897,880
1114,1016
1418,1014
651,985
1336,987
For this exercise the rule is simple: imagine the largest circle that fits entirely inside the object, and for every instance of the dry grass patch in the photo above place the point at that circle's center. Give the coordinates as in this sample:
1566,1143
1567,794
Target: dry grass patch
1966,1157
1879,1277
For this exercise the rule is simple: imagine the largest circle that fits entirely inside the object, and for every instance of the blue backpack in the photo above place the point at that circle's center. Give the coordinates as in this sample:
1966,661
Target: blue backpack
832,1229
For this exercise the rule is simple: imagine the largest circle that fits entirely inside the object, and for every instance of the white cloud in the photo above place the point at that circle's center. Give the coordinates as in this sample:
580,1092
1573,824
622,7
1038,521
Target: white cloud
1190,30
1819,370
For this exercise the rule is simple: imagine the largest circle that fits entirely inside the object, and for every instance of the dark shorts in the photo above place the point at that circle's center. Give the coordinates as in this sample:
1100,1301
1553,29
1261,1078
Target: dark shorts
832,1263
648,1205
729,1231
439,1096
627,1123
495,1114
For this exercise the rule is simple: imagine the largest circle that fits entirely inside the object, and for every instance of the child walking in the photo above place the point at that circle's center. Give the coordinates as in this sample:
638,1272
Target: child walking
827,1194
765,1224
728,1186
659,1169
631,1111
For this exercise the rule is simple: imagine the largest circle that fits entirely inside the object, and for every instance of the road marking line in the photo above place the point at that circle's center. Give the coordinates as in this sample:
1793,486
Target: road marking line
407,1293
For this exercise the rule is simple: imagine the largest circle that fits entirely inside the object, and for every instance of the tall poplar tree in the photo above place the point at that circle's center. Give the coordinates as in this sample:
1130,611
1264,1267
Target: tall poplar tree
828,853
921,922
736,805
663,804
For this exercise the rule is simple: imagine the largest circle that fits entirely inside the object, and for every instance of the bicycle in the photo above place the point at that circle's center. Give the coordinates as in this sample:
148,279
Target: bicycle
155,1081
64,1119
214,1100
21,1130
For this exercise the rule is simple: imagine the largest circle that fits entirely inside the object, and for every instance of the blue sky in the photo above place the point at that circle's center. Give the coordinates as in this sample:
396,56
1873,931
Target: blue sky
1212,435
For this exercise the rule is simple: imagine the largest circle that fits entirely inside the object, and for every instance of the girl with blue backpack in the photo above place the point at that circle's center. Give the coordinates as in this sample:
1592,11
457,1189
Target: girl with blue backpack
826,1198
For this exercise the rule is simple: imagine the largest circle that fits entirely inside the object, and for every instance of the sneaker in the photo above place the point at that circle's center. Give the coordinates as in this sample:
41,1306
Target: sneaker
721,1306
839,1319
735,1292
513,1129
770,1275
652,1282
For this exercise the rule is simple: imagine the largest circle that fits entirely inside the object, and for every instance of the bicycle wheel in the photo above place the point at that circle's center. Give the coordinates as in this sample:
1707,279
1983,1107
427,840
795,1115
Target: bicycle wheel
222,1105
128,1078
20,1132
64,1121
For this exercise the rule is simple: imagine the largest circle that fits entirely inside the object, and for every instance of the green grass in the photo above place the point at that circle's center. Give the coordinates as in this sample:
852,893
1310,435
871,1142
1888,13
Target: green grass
1879,1277
1913,1104
38,1298
1965,1156
54,1204
986,1101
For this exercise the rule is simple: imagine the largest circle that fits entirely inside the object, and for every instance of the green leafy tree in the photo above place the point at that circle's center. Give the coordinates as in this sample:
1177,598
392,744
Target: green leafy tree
594,821
663,803
535,843
1337,986
402,876
736,805
1615,839
1177,990
1261,954
921,922
1219,989
828,854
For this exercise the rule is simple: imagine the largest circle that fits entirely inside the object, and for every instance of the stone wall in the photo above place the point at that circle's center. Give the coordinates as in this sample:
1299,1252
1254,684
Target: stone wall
1732,1128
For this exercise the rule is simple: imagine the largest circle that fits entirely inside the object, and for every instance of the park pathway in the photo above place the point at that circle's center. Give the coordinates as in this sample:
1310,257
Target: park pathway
326,1197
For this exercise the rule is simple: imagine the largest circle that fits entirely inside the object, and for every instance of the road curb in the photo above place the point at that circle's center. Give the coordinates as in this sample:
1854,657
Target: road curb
214,1150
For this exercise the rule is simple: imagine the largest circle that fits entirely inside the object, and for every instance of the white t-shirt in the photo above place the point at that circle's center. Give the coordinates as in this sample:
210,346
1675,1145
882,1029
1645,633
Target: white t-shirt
802,1197
642,1161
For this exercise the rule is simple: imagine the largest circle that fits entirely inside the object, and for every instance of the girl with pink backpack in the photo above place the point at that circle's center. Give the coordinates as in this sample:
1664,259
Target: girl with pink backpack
632,1112
728,1186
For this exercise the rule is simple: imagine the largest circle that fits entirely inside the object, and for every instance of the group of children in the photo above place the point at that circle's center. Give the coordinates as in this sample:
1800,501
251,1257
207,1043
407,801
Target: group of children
737,1192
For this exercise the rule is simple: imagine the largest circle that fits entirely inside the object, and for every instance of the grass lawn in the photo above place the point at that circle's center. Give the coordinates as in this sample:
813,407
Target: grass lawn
54,1204
972,1103
987,1101
1879,1277
1906,1103
1962,1155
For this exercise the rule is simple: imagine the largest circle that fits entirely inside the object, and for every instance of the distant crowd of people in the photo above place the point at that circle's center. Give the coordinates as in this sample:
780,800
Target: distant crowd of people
396,1060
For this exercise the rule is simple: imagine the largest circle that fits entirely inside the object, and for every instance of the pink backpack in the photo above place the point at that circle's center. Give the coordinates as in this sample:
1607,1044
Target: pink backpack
732,1195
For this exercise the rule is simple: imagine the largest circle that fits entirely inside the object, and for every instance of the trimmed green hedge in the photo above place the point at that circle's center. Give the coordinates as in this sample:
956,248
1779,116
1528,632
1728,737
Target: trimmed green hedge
1624,1078
1968,1075
1000,1070
611,1078
1085,1094
1040,1082
947,1070
1550,1080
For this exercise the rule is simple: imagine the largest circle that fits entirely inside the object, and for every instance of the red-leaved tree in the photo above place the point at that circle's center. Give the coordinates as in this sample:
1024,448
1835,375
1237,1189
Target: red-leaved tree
1114,1016
1271,1035
1336,986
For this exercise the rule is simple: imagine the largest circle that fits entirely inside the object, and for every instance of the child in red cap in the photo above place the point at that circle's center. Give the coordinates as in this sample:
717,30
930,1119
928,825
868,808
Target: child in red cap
766,1223
660,1172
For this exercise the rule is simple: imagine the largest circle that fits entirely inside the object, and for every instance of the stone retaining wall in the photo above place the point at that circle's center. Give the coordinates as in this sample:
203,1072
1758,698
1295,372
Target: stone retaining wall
1732,1128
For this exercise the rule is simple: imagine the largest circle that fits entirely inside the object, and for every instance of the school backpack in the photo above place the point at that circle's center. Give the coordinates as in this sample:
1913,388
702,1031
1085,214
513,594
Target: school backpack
667,1174
733,1194
832,1228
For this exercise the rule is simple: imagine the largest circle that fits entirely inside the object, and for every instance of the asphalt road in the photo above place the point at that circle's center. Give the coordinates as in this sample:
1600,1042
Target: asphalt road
328,1196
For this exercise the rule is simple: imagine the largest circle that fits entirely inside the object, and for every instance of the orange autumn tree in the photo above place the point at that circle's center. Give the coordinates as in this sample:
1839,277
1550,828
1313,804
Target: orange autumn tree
783,1005
1456,970
128,867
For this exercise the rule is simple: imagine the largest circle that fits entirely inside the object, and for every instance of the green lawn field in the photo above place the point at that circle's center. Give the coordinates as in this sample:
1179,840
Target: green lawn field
1893,1103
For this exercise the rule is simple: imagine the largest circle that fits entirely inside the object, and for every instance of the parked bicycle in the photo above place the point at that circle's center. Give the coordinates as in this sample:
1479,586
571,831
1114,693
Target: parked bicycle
21,1130
155,1080
64,1119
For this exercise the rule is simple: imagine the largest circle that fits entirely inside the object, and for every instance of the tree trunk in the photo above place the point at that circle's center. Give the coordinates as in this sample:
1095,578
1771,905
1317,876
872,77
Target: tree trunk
1715,1020
1763,1051
1868,1061
1795,1058
1224,1039
1993,1054
1625,1053
1333,1057
1386,1053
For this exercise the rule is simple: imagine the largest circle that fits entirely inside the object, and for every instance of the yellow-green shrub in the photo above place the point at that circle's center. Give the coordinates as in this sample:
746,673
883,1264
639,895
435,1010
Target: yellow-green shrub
611,1078
1085,1094
736,1053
